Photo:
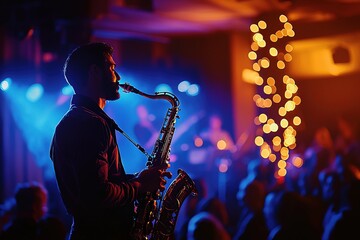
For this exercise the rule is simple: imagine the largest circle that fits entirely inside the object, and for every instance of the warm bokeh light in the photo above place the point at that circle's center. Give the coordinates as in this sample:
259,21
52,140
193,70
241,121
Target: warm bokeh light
283,18
282,111
282,172
264,63
273,51
289,48
256,121
252,55
223,168
267,89
281,64
265,153
263,118
297,162
262,24
272,157
270,81
224,165
273,38
198,142
297,121
281,164
256,67
276,97
284,123
276,141
259,141
254,46
259,80
254,28
221,144
297,100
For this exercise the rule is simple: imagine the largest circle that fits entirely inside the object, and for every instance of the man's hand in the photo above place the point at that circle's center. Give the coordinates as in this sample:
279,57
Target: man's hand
153,179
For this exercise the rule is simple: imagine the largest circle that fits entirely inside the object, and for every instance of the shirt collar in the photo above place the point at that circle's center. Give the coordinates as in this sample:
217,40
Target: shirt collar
81,100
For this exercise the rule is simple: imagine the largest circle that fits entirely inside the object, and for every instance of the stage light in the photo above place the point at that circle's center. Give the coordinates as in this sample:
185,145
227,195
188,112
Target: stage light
5,84
34,92
183,86
67,90
276,103
163,88
193,90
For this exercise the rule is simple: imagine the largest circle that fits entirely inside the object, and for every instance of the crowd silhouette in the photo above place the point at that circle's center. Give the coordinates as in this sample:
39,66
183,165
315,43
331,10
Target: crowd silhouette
320,200
25,217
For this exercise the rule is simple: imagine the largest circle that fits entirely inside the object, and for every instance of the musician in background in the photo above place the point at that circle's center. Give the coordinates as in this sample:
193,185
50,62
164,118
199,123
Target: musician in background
216,136
95,189
219,147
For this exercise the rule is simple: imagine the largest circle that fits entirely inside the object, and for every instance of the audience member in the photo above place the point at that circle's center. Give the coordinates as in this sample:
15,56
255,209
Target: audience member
333,198
315,161
188,210
251,223
31,206
347,226
215,133
348,138
287,216
205,226
216,207
51,228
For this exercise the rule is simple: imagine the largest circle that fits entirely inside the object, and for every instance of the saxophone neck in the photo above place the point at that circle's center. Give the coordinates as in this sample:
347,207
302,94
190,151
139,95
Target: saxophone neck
170,97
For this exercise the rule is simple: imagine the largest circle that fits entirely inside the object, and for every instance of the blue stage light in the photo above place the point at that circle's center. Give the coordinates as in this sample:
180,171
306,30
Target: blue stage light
183,86
193,90
34,92
5,84
67,90
163,88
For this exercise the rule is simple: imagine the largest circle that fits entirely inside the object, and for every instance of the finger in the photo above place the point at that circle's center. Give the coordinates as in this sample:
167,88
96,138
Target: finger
165,165
167,174
163,182
162,167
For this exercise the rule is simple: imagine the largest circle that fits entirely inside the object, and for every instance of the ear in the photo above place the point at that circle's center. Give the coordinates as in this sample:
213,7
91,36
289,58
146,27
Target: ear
94,71
94,77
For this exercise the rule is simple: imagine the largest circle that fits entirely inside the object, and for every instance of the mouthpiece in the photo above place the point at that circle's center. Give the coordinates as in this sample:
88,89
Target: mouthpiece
128,88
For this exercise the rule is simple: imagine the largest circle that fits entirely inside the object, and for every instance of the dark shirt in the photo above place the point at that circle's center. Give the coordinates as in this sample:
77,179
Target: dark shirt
94,187
19,229
252,226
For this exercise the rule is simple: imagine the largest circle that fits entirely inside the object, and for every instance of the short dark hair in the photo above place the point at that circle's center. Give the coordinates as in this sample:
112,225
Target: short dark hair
80,59
27,194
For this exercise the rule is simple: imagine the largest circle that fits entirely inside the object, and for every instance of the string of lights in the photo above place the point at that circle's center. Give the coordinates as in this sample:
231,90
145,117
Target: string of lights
276,97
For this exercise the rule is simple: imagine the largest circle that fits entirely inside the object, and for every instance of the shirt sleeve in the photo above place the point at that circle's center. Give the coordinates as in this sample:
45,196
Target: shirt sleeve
84,158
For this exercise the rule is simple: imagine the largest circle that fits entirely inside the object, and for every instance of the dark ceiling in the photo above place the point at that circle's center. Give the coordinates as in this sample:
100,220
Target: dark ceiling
165,18
159,20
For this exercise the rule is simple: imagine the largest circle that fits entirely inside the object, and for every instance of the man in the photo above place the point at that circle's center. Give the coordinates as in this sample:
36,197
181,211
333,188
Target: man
30,207
95,189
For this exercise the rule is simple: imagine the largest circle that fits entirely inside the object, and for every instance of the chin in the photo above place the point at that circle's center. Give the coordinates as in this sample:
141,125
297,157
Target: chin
113,97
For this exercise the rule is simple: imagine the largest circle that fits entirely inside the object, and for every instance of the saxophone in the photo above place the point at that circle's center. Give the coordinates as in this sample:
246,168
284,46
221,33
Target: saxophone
155,214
